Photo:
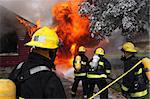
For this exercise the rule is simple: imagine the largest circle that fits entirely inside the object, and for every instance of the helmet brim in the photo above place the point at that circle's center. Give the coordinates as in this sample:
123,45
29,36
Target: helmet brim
41,45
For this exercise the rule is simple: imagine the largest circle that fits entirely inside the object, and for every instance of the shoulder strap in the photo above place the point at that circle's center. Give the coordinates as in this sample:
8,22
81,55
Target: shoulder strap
38,69
20,65
16,71
29,73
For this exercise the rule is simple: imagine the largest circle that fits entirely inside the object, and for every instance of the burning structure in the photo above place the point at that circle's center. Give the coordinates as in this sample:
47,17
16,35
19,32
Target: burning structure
71,28
12,39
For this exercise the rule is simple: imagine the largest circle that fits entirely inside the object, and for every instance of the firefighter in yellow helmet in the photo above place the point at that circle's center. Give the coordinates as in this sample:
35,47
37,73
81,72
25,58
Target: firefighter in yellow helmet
134,84
99,69
34,77
80,64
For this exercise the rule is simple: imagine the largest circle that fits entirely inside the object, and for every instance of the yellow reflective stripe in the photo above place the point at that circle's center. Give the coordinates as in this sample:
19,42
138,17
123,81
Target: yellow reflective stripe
96,76
80,74
139,72
101,63
139,94
108,71
124,88
21,98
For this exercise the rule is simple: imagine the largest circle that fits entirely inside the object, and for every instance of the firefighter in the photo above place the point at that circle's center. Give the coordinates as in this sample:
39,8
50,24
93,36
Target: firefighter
134,83
98,71
34,77
80,64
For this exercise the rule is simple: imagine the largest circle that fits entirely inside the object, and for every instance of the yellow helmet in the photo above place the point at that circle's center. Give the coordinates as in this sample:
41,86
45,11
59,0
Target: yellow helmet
129,47
99,51
82,49
44,38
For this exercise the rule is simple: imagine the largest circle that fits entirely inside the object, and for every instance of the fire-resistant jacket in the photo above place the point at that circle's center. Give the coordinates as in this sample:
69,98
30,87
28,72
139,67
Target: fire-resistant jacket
84,65
102,68
135,81
41,85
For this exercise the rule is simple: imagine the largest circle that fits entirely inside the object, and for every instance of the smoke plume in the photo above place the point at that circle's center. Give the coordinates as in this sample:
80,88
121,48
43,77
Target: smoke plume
32,10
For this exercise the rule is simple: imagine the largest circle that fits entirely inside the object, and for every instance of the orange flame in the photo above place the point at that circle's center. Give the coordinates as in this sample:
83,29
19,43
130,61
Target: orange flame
70,27
38,24
72,49
69,22
30,29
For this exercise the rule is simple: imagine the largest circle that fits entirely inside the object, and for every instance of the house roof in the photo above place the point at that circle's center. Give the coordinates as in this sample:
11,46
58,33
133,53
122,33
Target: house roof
9,23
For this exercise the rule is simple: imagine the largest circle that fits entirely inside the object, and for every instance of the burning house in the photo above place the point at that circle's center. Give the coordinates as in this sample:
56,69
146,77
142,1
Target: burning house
71,28
12,38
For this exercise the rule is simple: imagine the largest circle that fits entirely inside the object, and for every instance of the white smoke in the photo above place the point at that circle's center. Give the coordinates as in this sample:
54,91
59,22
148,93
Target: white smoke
32,10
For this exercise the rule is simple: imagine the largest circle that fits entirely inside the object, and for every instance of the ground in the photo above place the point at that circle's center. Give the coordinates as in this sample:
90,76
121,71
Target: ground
4,72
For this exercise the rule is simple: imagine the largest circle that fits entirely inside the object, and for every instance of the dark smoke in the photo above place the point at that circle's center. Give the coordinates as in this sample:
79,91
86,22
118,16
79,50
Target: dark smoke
11,30
32,10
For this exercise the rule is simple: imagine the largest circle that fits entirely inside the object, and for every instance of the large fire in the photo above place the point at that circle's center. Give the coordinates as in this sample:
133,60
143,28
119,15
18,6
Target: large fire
70,27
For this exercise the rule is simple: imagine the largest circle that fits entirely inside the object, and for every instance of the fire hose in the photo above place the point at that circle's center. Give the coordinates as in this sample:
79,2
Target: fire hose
112,79
116,79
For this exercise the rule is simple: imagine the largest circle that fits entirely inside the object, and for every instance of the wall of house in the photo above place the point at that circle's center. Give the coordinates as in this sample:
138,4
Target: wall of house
13,60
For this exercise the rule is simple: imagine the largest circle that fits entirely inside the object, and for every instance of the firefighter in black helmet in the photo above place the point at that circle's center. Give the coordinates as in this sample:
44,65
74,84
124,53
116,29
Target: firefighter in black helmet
97,73
80,64
34,77
134,83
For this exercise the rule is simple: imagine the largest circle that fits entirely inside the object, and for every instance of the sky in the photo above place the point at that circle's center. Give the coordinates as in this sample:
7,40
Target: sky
32,10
